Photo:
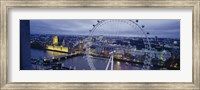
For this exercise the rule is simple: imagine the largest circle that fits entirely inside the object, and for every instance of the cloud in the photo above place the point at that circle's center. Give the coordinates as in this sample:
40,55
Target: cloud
156,27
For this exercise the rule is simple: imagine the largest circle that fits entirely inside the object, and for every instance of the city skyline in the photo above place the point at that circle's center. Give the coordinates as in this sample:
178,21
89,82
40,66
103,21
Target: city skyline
161,28
107,49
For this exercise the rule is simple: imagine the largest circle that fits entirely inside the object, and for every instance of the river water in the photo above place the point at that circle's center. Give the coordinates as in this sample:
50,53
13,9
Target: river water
80,62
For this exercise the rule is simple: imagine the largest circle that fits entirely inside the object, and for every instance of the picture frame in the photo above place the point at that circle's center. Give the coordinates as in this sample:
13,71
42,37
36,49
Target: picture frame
4,43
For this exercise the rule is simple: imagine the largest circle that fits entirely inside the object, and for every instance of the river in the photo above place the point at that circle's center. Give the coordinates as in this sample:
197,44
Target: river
80,62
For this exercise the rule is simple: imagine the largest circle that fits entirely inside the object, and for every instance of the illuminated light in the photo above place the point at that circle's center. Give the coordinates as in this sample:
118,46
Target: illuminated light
118,63
174,66
57,48
55,40
175,42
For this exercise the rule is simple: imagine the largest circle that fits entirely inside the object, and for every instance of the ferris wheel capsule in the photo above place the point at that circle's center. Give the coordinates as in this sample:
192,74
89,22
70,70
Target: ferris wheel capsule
137,21
93,25
98,21
142,26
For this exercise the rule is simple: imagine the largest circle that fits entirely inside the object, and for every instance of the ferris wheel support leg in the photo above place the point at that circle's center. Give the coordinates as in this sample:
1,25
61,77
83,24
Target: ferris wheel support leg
108,63
112,63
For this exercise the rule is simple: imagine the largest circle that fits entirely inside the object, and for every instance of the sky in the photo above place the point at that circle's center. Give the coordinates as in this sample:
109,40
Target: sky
163,28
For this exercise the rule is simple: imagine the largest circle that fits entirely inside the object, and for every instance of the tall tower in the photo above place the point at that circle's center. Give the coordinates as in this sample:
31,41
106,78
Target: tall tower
55,40
81,45
63,42
156,38
101,38
25,61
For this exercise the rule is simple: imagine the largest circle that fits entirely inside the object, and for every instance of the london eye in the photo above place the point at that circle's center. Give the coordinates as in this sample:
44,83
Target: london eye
101,32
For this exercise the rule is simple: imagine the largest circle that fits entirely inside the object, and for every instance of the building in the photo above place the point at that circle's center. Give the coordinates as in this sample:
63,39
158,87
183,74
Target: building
156,38
25,61
55,40
100,38
63,42
56,47
81,46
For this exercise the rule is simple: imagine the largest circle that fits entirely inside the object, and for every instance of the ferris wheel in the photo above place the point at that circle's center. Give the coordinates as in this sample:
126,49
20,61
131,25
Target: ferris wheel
116,28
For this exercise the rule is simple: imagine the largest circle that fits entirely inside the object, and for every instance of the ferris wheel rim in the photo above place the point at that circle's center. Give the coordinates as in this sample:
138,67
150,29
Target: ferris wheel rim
132,23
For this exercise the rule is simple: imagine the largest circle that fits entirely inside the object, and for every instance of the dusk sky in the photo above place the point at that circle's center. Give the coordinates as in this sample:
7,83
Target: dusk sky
159,27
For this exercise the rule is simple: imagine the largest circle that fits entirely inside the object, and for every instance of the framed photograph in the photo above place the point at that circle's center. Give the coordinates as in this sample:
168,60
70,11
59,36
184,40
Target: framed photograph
122,44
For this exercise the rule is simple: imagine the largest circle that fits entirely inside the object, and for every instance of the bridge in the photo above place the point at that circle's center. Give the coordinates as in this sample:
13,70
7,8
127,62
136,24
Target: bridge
54,61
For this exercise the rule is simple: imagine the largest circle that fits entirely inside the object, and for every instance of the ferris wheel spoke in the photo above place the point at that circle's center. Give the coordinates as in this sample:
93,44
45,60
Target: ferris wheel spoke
114,25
